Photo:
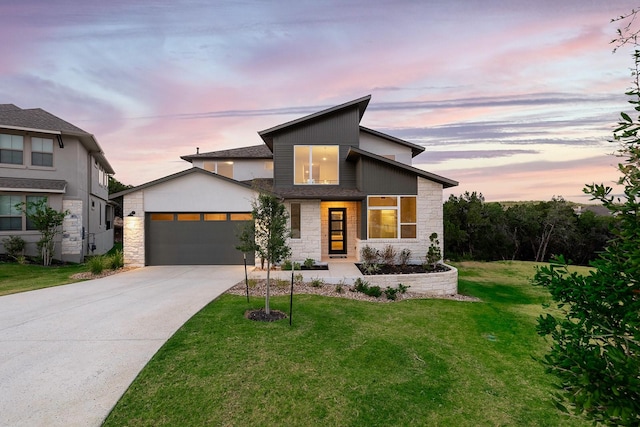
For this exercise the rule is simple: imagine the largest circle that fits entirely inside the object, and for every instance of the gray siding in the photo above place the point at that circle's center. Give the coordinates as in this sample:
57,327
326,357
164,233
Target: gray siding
337,129
379,178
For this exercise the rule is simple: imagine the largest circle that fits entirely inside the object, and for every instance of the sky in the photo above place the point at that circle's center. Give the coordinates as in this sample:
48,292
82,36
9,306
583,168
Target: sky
515,99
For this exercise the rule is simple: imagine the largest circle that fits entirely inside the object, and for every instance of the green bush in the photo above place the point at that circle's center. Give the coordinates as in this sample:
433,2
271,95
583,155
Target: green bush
364,287
14,246
116,260
97,264
317,282
288,265
391,293
309,262
369,255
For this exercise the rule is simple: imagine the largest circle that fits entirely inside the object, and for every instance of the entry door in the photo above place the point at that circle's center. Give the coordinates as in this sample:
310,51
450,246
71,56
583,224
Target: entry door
337,230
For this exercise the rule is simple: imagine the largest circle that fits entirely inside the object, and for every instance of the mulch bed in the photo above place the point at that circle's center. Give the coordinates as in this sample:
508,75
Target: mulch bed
261,316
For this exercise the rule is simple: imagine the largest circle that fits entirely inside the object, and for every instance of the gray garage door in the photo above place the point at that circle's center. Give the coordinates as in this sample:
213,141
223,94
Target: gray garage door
194,238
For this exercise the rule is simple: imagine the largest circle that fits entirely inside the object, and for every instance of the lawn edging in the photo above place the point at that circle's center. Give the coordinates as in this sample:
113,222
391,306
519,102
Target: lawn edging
442,283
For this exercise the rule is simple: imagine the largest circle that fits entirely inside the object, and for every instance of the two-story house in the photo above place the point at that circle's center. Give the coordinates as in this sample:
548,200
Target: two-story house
344,186
45,157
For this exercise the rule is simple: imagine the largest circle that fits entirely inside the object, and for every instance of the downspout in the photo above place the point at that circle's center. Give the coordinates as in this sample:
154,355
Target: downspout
89,170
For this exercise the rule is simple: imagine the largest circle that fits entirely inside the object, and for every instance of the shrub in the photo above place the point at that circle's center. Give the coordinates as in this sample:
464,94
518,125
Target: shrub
309,262
364,287
391,293
370,268
116,260
298,279
388,255
252,282
97,264
403,288
434,254
369,255
14,246
403,258
317,282
340,288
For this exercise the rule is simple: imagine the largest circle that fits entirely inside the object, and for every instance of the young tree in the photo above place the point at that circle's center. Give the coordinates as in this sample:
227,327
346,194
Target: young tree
47,221
267,234
595,349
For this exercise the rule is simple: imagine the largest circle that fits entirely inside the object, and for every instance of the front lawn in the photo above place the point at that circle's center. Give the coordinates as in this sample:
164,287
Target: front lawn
353,363
16,277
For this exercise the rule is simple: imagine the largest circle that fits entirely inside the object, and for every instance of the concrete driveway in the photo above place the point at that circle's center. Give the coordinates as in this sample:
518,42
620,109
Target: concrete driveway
68,353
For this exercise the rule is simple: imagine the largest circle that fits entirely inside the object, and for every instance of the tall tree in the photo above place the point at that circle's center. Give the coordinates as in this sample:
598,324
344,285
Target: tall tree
595,351
267,235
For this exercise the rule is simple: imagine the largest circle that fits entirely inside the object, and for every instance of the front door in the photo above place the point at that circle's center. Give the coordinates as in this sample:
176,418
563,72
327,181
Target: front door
337,231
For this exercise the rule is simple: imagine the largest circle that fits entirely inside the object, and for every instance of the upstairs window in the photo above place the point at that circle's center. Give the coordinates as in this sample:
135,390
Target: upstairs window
11,149
41,151
316,165
221,168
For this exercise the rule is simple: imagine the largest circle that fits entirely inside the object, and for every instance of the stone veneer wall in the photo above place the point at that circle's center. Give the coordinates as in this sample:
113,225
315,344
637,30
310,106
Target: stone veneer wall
72,231
430,220
444,283
309,243
133,229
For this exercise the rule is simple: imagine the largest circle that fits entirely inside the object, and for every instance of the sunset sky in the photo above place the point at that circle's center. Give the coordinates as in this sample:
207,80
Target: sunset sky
516,99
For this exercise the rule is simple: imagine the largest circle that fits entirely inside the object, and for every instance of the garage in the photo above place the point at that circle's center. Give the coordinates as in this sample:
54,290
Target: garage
194,238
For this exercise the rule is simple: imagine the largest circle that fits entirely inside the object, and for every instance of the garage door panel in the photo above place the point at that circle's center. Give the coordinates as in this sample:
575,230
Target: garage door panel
192,242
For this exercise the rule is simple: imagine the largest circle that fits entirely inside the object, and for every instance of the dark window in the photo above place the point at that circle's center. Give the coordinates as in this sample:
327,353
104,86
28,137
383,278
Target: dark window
41,151
33,199
11,149
295,220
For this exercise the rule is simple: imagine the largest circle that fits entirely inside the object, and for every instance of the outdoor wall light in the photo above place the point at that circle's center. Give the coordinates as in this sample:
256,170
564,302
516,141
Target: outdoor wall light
132,213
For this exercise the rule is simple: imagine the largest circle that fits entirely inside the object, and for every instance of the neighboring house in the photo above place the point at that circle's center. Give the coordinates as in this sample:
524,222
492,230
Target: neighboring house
345,186
45,157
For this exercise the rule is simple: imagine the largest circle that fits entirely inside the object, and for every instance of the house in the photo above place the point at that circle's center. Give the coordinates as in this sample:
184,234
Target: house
45,157
344,186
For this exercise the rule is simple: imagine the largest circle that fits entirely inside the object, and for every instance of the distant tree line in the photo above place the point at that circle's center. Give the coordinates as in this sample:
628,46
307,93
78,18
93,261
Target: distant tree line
490,231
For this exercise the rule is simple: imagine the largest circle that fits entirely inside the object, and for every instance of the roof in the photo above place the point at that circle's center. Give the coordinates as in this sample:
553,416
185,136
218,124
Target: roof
243,153
174,176
39,120
355,153
35,185
415,148
268,134
322,192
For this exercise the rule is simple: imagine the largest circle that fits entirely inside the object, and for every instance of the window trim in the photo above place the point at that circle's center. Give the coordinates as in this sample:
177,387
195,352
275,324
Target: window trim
41,152
25,226
398,208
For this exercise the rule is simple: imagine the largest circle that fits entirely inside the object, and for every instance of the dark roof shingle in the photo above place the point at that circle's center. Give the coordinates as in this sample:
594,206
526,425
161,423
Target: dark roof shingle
253,152
21,184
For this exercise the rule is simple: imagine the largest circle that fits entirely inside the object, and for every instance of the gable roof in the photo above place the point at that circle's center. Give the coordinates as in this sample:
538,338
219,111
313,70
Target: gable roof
174,176
268,134
39,120
247,153
415,148
355,153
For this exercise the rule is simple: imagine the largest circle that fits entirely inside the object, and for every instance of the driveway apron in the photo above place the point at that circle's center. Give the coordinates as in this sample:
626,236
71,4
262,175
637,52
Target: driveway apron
68,353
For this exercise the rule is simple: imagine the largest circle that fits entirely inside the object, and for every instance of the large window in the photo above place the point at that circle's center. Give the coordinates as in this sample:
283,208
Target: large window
392,216
41,151
11,149
11,216
316,165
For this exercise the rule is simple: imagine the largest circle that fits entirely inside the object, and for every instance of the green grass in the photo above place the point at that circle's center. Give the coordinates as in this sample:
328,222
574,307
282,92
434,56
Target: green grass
351,363
16,278
28,277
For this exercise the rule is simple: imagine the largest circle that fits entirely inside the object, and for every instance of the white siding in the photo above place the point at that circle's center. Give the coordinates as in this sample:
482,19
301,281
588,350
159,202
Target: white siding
384,147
